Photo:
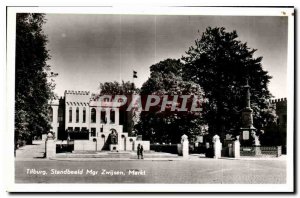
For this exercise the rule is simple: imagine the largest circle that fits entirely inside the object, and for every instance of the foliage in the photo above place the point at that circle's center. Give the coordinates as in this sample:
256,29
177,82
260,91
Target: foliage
34,81
168,126
130,118
273,135
116,88
220,63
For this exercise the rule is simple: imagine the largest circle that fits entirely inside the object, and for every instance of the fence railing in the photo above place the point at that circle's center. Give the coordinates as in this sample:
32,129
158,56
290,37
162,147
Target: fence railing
261,151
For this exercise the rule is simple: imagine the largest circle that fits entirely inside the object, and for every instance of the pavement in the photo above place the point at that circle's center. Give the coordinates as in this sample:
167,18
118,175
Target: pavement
31,167
205,171
36,151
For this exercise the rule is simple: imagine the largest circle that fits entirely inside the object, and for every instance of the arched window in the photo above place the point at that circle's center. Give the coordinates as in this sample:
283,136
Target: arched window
50,113
103,116
112,116
93,115
70,114
84,115
77,114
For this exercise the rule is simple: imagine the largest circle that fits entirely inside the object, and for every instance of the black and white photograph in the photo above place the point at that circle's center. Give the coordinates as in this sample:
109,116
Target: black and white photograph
107,99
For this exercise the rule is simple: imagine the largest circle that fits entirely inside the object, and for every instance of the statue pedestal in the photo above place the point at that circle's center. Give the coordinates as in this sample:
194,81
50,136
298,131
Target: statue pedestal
113,147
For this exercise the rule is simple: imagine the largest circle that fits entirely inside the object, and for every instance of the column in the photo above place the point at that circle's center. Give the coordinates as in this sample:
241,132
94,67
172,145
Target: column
55,113
80,116
74,115
108,115
117,116
98,115
55,120
100,110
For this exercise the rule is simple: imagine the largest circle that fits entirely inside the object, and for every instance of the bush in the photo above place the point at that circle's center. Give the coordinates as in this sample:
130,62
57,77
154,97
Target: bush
167,148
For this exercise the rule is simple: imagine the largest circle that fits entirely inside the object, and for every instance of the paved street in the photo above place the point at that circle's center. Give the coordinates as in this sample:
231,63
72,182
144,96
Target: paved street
30,168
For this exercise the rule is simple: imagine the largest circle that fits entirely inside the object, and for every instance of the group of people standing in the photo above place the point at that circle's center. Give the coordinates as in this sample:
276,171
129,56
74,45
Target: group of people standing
140,151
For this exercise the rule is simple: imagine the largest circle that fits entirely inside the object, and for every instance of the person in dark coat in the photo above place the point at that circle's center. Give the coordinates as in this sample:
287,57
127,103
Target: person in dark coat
138,150
142,151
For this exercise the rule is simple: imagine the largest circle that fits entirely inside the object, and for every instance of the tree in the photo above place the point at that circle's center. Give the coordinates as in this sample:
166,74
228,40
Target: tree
116,88
34,82
221,64
127,118
168,126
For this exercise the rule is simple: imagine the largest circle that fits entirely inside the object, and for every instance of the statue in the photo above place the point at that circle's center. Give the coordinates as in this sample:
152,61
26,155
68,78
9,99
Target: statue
114,136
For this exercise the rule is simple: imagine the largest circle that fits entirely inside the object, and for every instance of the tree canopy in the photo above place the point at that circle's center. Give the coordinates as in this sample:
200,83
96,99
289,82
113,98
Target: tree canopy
221,64
127,118
116,88
168,126
34,80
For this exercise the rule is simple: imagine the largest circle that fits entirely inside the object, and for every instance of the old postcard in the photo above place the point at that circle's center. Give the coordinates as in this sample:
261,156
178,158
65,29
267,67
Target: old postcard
168,99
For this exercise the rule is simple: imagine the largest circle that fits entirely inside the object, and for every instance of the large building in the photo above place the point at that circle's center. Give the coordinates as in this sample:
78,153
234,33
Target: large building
281,111
91,122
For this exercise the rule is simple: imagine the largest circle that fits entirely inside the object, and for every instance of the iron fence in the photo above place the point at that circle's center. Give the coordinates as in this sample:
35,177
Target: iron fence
261,151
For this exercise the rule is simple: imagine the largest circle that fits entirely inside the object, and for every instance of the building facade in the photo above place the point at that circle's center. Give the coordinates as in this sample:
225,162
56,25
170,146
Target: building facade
281,111
92,123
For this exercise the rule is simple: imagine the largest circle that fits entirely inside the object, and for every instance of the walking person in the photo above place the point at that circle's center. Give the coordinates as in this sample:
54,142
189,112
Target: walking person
138,150
142,152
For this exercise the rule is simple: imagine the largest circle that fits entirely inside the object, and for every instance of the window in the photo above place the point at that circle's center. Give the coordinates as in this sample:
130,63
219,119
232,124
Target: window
112,116
77,129
50,113
84,114
93,115
93,132
60,115
70,114
101,129
103,116
77,114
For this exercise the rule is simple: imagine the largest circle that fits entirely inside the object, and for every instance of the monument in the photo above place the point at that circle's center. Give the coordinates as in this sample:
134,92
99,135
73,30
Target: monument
247,128
113,140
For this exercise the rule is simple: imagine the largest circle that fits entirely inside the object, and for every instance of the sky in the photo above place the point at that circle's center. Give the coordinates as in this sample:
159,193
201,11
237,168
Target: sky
89,49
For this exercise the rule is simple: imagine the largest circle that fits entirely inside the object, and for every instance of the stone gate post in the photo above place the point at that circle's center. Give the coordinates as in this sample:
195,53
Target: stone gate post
185,146
236,147
50,146
217,146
